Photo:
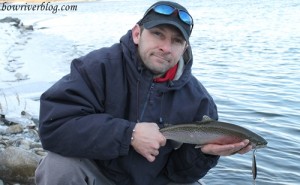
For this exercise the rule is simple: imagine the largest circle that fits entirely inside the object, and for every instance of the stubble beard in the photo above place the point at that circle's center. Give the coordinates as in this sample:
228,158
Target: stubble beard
158,68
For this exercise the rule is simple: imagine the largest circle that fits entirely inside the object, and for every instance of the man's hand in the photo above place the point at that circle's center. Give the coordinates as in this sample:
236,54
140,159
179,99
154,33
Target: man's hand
226,150
147,140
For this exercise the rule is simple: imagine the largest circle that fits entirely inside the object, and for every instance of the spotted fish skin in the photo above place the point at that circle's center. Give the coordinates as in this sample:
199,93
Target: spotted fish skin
209,131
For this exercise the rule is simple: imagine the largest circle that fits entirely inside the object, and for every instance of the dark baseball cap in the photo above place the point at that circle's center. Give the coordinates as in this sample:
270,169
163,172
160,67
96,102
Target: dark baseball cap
166,12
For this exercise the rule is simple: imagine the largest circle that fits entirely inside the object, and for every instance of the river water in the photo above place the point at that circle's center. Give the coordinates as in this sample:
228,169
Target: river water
246,53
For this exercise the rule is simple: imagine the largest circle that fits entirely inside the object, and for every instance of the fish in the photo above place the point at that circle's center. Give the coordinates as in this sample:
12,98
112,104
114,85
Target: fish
209,131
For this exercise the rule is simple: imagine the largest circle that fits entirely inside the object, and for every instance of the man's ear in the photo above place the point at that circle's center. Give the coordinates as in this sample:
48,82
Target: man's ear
136,33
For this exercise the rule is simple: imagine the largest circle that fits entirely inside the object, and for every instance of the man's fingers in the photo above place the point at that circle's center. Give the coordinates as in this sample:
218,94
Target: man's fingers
150,158
245,149
155,153
163,141
225,150
147,139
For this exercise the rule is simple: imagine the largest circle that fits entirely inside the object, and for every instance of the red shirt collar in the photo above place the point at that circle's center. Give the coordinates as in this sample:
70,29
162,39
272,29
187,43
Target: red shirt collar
170,74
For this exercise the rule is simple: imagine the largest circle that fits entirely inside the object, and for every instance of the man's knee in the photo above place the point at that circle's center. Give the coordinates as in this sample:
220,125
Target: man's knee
56,169
56,163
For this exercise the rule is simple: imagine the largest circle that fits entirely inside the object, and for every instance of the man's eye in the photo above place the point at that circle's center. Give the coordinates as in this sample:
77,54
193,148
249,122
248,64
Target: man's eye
179,41
157,33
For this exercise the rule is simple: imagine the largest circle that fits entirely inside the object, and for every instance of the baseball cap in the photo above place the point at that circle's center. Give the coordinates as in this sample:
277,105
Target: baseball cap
166,12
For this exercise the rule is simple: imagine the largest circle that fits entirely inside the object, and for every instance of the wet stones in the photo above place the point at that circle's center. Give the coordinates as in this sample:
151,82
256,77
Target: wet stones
16,22
20,150
18,165
14,129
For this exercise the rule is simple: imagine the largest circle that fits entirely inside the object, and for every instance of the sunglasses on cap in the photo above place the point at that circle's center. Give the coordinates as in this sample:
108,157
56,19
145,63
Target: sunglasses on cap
184,16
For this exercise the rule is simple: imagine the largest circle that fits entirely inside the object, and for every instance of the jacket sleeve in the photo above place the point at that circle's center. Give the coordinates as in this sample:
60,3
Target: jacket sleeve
73,121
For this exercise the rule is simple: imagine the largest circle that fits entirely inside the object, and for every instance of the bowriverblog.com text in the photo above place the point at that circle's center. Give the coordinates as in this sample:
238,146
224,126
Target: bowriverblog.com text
44,6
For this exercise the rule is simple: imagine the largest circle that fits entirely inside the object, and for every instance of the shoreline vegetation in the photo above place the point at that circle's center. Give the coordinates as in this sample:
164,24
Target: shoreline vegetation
40,1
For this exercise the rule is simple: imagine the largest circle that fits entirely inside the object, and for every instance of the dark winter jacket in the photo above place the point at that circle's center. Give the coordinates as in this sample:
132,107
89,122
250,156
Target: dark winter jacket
92,111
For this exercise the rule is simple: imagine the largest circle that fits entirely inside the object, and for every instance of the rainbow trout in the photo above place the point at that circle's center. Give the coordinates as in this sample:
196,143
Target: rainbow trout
209,131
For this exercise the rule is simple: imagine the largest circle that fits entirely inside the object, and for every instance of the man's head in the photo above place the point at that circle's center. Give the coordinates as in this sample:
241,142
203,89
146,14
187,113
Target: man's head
166,12
162,36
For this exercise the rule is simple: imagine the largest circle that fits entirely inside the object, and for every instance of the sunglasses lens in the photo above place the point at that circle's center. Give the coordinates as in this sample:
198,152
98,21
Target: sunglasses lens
164,9
168,10
185,17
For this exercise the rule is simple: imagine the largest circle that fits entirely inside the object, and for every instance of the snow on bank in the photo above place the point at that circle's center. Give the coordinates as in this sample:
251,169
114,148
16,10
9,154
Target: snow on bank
15,99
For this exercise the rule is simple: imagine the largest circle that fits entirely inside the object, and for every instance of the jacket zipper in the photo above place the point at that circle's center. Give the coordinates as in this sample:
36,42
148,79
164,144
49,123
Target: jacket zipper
146,102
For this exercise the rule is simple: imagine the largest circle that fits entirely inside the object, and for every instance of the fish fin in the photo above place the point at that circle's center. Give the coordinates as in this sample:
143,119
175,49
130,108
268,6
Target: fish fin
175,144
206,119
198,146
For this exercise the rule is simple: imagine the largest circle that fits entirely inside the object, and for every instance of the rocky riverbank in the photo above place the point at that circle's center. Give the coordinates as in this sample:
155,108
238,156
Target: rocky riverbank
20,146
20,150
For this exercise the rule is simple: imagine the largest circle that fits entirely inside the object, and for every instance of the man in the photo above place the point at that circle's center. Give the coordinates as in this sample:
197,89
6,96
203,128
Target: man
100,123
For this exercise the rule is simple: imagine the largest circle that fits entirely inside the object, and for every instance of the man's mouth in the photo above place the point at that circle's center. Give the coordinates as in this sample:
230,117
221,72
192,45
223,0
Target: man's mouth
161,58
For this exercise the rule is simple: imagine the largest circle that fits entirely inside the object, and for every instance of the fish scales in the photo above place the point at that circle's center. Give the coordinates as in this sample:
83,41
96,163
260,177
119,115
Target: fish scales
211,131
215,132
195,134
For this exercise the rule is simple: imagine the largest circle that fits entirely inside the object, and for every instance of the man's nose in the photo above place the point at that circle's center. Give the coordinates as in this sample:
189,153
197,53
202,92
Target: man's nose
166,46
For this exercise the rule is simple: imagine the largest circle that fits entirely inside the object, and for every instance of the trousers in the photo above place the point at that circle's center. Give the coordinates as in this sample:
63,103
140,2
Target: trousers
56,169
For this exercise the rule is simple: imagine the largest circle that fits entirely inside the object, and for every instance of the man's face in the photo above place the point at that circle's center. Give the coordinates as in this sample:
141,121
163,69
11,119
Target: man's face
160,48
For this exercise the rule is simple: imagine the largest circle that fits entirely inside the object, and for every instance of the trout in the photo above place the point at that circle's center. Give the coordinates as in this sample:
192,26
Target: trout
209,131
